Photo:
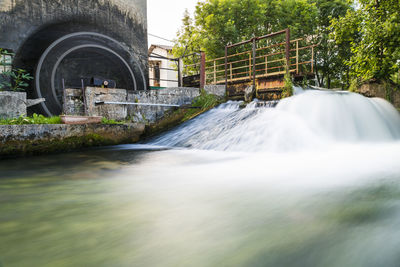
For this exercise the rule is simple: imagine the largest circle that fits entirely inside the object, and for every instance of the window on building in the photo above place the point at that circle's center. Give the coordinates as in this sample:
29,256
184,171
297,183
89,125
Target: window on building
6,58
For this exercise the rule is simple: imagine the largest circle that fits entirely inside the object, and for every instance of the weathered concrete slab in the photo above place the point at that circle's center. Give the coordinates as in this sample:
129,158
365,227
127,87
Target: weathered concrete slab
218,90
173,95
12,104
21,140
374,89
74,104
96,94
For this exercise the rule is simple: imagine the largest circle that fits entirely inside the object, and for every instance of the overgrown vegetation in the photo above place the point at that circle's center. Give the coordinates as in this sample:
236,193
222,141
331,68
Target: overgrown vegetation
216,23
372,32
16,80
35,119
287,90
202,103
108,121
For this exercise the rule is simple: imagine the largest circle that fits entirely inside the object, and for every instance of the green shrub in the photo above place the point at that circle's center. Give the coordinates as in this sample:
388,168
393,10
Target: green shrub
202,103
15,79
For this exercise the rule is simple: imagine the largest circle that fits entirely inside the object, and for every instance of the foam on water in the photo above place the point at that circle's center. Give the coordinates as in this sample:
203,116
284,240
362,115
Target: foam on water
310,119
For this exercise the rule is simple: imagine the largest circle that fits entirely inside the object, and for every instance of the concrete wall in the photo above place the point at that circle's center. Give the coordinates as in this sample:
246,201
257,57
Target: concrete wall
115,41
218,90
145,114
379,90
175,96
12,104
74,104
20,140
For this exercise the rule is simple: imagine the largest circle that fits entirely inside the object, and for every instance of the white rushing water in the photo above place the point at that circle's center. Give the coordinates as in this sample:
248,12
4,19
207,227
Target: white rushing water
315,138
307,120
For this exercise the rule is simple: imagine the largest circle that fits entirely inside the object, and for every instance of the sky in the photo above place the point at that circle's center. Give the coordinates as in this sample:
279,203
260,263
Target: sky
164,18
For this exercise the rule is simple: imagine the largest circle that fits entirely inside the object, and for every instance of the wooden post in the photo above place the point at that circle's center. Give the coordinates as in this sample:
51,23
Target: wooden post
202,69
297,57
287,49
215,73
266,64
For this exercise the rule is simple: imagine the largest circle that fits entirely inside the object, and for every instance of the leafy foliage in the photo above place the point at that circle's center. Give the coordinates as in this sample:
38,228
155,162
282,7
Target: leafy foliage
219,22
35,119
373,31
15,79
331,69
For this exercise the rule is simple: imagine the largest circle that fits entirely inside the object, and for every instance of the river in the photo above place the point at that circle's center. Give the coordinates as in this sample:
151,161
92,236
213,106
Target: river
312,182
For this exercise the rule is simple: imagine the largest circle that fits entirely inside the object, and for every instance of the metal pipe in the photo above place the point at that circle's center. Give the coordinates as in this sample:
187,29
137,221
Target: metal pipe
84,97
202,70
254,63
287,49
258,38
134,104
226,68
64,97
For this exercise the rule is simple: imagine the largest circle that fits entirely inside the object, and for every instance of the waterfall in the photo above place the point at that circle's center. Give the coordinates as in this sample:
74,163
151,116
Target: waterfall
309,119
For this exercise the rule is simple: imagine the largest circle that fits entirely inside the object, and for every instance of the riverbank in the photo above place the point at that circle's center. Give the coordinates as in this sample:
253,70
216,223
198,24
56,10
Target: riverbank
38,139
35,139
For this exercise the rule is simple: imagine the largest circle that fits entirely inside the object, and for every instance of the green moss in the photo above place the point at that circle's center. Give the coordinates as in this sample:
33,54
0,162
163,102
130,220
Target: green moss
29,147
107,121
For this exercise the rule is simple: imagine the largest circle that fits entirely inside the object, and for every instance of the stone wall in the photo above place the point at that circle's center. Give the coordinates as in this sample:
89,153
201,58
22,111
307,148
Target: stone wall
218,90
374,89
74,104
12,104
20,140
174,96
146,114
111,111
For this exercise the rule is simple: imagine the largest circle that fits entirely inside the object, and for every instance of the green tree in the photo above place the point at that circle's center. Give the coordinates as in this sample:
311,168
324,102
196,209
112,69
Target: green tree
188,40
219,22
375,29
331,69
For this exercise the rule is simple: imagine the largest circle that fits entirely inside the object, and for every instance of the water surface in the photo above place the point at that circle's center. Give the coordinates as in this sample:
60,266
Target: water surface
252,187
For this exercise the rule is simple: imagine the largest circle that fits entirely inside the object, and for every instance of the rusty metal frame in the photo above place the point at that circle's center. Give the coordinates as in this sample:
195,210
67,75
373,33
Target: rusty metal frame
254,41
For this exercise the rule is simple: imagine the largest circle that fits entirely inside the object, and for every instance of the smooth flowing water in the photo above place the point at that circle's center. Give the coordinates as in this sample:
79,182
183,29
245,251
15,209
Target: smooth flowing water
312,182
